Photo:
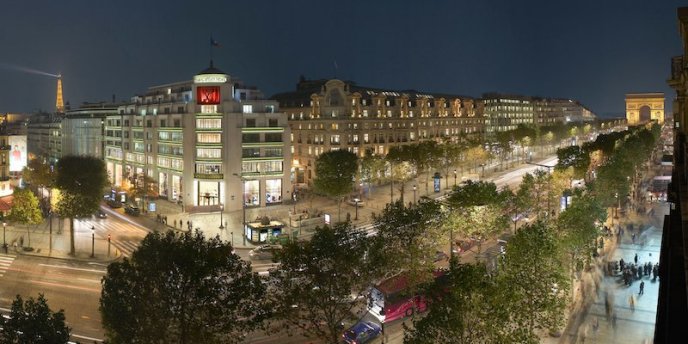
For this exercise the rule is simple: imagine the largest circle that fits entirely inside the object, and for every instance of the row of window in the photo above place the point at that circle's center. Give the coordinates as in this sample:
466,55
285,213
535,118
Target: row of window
254,152
255,137
386,125
262,166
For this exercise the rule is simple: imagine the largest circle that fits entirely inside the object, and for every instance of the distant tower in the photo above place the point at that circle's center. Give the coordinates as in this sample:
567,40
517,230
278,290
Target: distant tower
59,104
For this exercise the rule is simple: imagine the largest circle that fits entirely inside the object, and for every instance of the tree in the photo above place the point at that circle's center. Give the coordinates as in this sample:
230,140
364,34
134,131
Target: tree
515,204
400,167
334,175
32,322
371,168
427,155
25,209
38,174
181,288
534,276
81,180
448,156
463,306
478,155
525,135
408,238
143,186
477,210
578,228
503,141
576,157
320,283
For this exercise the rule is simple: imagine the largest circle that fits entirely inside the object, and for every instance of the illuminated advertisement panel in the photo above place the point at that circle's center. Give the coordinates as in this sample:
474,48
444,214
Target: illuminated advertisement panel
208,95
17,153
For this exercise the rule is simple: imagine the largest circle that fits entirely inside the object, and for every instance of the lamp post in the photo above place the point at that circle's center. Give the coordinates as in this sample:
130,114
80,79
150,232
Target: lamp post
93,241
243,206
295,197
222,207
356,201
454,177
4,243
414,193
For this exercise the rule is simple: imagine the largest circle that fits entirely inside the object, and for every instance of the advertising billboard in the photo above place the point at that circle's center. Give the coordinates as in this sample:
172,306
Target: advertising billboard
17,153
208,95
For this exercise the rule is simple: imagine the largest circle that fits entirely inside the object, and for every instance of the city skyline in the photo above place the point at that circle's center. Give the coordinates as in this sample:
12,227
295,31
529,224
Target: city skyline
591,52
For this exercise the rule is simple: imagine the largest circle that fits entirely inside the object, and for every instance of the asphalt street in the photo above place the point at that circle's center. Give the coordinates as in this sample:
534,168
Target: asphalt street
70,285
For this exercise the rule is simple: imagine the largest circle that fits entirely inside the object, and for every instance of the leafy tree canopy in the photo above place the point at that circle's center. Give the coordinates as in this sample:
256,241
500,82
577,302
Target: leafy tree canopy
38,173
335,172
181,288
464,307
33,322
576,157
25,208
320,283
408,238
533,274
474,193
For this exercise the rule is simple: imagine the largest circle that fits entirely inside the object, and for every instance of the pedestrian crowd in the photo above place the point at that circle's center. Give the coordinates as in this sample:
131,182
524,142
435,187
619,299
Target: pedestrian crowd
632,271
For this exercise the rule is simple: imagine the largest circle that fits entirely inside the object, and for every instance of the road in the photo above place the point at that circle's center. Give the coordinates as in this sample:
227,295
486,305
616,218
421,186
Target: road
70,285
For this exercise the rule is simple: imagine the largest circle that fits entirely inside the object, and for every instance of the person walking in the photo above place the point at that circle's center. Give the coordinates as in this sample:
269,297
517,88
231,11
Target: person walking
642,288
631,302
636,255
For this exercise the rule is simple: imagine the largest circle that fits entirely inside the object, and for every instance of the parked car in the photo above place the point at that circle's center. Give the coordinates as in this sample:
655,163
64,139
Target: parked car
114,203
362,332
264,252
132,210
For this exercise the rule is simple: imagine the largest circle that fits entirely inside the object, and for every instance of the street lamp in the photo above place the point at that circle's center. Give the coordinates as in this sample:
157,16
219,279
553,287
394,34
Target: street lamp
295,197
454,177
93,241
4,243
222,207
356,201
243,206
414,193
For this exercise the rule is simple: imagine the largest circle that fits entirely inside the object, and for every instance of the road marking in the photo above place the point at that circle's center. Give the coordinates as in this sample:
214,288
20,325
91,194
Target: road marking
89,280
87,338
71,268
68,286
5,262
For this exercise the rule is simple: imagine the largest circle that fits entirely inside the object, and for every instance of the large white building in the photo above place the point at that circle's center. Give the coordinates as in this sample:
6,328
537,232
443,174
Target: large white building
208,142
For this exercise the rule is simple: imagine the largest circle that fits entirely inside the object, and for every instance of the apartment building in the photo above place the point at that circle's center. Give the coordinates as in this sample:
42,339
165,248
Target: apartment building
333,114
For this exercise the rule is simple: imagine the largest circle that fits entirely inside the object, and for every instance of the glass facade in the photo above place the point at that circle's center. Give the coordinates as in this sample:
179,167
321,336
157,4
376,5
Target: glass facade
252,193
273,191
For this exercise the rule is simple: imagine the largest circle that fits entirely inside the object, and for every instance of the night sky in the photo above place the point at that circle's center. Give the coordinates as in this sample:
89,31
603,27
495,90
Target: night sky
593,51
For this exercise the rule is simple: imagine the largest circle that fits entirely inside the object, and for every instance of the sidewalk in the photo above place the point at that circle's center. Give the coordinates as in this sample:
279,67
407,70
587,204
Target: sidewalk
589,318
35,241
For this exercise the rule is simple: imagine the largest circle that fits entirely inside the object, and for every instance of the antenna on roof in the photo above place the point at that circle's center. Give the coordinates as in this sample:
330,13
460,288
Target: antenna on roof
335,69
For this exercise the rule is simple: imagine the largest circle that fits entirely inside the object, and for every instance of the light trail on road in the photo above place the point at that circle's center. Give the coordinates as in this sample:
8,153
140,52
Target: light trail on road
71,268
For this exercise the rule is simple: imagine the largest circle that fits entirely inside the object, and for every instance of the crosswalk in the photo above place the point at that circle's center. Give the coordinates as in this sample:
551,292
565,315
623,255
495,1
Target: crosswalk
5,262
125,247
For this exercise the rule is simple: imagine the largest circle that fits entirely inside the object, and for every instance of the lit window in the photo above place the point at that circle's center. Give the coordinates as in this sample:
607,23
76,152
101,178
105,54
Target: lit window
247,108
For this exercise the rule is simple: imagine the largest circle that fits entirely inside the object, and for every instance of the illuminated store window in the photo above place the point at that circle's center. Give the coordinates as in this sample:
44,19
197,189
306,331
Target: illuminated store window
273,191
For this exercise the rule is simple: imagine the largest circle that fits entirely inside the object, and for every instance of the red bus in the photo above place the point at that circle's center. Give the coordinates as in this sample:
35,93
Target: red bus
393,298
